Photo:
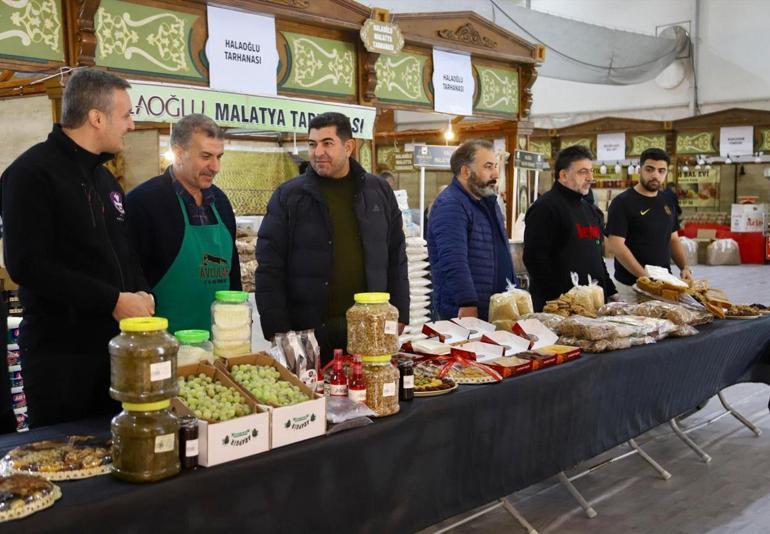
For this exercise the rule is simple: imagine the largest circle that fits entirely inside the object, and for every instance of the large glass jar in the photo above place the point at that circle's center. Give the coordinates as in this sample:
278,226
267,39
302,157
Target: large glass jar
145,442
143,361
231,323
372,325
381,384
194,347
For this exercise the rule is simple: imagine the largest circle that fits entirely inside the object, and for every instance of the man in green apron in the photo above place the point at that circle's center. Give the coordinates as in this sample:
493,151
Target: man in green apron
183,228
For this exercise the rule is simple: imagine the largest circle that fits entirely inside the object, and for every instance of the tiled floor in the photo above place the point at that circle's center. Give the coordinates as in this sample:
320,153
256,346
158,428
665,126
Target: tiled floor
729,495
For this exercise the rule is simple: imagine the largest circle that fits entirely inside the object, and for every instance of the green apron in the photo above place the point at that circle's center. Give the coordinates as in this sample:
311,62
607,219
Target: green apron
202,267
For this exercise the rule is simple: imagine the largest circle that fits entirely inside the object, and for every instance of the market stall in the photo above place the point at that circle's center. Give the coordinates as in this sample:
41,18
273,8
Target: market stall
438,457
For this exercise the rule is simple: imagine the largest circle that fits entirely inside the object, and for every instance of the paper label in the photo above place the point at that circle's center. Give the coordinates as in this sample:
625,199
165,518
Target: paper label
357,395
191,448
165,443
389,389
336,390
391,328
408,382
160,371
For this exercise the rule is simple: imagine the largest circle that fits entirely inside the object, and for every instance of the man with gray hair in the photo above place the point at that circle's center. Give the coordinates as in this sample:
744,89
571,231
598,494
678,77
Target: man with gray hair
467,243
67,246
183,227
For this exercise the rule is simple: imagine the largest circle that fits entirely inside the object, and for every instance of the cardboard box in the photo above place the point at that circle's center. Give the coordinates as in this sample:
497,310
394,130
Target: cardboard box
535,331
476,326
509,366
220,442
563,353
288,424
429,346
512,343
447,332
478,351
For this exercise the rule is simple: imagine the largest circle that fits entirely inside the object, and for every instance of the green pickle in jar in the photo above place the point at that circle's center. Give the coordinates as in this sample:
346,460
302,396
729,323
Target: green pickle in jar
143,361
145,442
372,325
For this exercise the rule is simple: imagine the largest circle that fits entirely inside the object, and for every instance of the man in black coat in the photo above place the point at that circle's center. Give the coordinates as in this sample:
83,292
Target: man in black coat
328,234
183,227
67,246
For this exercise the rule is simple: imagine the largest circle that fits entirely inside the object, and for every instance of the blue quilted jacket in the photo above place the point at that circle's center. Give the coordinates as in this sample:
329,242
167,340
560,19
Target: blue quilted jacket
461,246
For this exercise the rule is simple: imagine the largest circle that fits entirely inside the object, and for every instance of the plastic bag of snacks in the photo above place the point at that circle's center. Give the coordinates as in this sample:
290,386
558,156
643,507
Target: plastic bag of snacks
723,252
594,329
550,320
647,326
690,247
617,308
583,296
505,308
605,345
596,291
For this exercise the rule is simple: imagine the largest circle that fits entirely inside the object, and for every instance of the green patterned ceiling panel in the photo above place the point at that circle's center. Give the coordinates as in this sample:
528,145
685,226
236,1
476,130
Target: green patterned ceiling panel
498,91
31,30
319,66
400,79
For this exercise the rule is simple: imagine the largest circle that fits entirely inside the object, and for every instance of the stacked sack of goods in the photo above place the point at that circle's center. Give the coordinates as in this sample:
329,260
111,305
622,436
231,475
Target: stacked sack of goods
419,284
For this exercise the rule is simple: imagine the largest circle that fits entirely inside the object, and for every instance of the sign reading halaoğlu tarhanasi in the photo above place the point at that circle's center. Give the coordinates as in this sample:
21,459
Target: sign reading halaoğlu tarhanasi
169,103
528,160
382,37
453,83
242,54
403,161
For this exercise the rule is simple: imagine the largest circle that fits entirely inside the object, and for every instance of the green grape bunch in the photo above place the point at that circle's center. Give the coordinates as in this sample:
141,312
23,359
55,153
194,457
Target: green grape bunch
265,383
210,400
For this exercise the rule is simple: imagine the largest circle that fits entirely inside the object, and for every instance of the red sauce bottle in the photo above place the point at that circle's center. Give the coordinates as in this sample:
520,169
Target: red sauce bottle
338,380
357,385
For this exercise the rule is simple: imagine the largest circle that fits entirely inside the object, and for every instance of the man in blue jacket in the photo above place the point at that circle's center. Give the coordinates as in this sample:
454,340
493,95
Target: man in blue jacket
329,233
467,243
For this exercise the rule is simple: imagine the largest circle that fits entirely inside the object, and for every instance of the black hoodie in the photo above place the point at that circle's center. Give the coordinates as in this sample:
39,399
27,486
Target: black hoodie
562,235
66,245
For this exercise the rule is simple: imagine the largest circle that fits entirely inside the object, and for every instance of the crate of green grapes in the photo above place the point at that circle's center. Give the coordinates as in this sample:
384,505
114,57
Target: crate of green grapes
297,413
231,424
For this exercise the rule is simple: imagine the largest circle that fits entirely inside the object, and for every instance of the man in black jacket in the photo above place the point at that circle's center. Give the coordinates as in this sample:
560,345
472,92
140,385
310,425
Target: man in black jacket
183,228
328,234
562,233
67,246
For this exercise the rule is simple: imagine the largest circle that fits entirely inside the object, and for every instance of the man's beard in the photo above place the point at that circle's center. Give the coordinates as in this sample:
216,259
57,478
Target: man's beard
651,188
478,187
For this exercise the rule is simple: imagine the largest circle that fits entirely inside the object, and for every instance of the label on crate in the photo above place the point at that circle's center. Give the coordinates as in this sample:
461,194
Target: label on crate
389,389
160,371
391,328
164,443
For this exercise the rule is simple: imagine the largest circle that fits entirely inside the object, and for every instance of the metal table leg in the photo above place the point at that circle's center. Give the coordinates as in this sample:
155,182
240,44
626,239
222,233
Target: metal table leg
739,416
690,443
665,475
501,503
589,510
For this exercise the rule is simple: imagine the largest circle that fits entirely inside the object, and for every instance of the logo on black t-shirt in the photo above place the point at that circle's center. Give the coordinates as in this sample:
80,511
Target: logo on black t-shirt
668,210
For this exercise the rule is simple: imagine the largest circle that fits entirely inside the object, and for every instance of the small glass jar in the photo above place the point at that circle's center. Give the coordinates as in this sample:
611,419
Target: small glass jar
382,380
194,347
143,361
145,442
231,323
406,382
372,325
188,441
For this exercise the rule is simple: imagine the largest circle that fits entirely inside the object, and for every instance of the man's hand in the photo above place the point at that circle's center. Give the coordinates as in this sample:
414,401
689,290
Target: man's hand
133,305
686,274
468,311
149,299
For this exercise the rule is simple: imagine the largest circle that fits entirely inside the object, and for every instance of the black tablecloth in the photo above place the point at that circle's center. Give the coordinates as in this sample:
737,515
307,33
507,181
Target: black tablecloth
439,457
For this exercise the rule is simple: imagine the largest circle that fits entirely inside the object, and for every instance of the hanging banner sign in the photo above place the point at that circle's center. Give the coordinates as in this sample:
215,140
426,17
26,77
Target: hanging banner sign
736,141
433,156
528,160
699,189
403,161
453,83
241,50
382,37
169,103
611,146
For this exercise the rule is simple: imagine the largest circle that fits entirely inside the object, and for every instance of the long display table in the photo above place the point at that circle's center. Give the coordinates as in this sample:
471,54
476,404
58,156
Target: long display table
438,457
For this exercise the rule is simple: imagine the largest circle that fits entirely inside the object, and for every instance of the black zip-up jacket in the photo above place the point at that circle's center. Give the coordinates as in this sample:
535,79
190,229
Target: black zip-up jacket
295,250
156,225
66,245
562,234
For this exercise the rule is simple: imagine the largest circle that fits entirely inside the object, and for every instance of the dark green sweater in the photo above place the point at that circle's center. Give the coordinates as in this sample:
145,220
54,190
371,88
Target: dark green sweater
348,275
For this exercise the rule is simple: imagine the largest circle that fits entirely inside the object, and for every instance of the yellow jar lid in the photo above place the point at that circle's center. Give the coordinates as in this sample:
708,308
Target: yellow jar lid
371,298
146,406
143,324
383,358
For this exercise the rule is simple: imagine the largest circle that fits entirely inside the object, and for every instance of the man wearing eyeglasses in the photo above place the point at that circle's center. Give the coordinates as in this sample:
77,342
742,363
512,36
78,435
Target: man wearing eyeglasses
642,226
562,234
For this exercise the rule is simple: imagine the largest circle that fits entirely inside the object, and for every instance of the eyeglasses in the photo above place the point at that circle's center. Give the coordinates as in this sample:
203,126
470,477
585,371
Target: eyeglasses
585,172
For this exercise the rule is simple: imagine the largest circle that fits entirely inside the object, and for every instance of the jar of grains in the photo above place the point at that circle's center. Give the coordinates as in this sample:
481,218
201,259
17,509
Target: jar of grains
372,325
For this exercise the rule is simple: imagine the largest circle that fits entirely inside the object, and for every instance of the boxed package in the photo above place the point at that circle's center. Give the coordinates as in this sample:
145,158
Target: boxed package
476,326
428,346
288,424
509,366
223,441
478,351
512,343
447,332
536,332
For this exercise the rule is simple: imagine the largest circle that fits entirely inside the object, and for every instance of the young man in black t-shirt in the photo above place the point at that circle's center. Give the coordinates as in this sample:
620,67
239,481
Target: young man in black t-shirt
642,226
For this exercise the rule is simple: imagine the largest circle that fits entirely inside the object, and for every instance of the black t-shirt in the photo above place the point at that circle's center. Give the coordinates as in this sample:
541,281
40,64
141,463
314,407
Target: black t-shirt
646,223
